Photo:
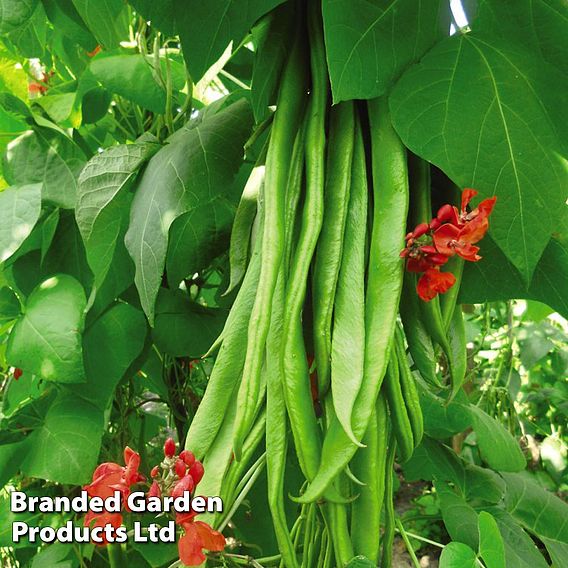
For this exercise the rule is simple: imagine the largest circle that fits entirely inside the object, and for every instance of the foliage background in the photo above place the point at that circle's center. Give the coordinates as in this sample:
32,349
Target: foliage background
123,128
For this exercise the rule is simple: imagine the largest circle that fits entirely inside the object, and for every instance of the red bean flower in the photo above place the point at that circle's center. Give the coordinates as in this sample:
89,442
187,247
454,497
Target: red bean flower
434,282
451,232
196,537
108,478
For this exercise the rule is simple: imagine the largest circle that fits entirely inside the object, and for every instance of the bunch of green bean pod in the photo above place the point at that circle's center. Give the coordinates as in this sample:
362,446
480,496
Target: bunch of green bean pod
315,256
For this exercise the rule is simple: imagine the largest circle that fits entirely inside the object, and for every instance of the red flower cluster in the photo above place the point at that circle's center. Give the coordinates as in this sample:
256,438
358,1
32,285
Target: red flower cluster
108,478
172,477
451,232
176,474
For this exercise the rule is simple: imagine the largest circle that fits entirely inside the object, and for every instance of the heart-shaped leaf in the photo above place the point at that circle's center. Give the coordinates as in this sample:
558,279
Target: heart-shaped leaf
475,107
46,340
369,44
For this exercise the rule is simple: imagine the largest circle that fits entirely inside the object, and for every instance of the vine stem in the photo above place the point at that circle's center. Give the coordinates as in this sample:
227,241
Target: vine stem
241,496
407,543
116,557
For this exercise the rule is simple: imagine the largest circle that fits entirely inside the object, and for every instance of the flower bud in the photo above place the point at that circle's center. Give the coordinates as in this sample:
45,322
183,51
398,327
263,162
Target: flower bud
196,471
420,230
180,468
435,223
445,213
187,457
154,490
186,483
169,448
155,471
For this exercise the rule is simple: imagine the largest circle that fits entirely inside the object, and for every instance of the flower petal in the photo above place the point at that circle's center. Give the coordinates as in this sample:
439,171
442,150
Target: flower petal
189,546
210,539
434,282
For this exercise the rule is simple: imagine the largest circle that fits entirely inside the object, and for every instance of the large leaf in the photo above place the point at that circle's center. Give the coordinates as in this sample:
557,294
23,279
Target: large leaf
131,77
540,24
20,208
520,550
207,28
271,36
30,38
46,156
107,20
457,555
442,420
370,43
100,209
184,328
160,14
9,305
66,447
67,253
474,107
67,20
491,547
433,461
496,445
459,517
193,170
539,511
200,235
549,283
46,340
14,14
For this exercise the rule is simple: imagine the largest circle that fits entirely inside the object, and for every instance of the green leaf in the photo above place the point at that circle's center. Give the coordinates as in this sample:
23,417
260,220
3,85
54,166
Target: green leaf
520,550
44,155
9,305
46,340
495,278
539,24
539,511
197,237
491,547
442,420
107,21
206,29
161,14
184,328
271,36
193,170
459,517
433,461
66,448
131,77
100,208
370,43
477,108
482,483
20,208
496,445
457,555
30,38
48,230
67,20
14,14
